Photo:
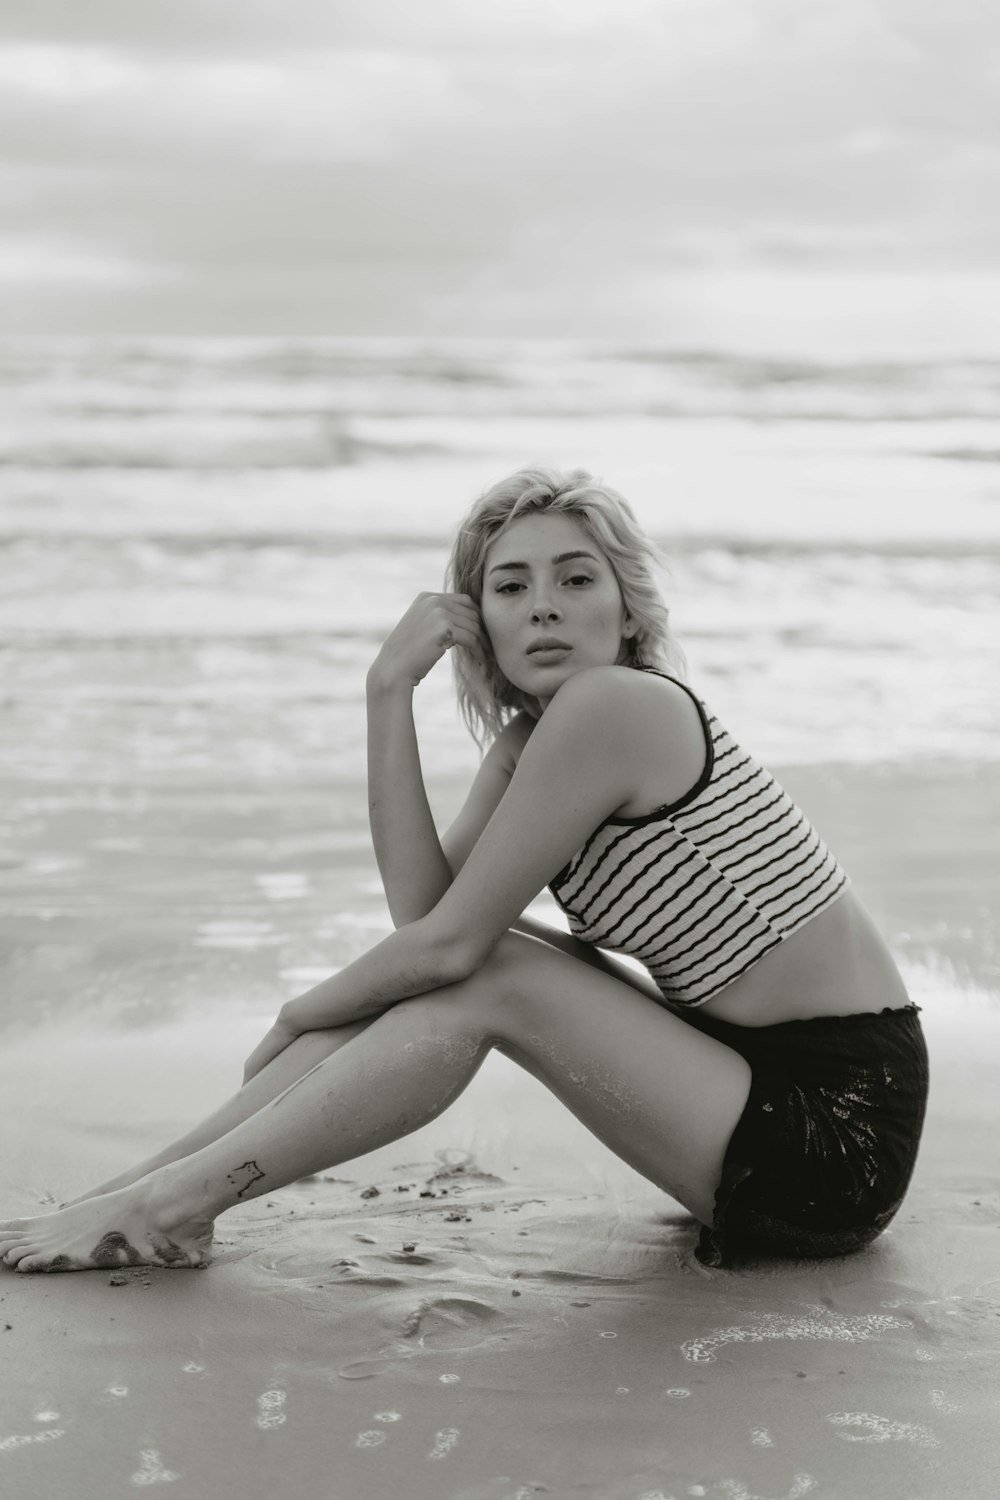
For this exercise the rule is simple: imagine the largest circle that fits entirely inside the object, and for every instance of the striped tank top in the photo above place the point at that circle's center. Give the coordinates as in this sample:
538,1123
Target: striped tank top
701,889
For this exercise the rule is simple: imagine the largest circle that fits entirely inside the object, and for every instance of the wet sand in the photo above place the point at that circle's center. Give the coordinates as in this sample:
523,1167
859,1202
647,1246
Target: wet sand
515,1312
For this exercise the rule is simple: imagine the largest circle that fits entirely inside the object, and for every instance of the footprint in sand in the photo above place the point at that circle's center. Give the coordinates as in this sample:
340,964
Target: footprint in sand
452,1323
437,1323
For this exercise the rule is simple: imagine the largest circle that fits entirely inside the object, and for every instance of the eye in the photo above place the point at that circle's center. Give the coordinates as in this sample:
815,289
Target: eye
576,578
510,586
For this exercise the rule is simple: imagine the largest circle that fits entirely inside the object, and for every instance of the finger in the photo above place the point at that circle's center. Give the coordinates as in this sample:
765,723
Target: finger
464,635
471,641
460,607
458,610
459,623
457,606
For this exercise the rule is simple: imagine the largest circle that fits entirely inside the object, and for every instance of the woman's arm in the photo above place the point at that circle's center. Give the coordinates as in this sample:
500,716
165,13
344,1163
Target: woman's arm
583,760
411,862
415,872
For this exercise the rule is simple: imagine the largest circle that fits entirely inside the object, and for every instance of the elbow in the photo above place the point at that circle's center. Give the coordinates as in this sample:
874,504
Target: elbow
459,961
456,957
455,946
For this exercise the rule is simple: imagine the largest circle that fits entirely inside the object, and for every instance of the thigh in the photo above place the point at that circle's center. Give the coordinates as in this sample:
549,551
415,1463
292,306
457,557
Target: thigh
637,978
663,1096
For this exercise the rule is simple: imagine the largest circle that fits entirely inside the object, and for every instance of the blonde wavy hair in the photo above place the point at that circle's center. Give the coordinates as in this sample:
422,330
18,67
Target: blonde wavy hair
486,698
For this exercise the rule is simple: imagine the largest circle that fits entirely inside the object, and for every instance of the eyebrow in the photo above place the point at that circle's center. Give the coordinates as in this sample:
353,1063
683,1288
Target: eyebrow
560,558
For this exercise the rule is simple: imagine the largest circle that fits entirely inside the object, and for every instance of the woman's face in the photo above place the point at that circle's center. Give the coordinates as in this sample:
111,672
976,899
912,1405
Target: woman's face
551,604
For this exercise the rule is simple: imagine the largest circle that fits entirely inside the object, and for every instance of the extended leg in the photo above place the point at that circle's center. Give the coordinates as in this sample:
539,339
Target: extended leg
304,1054
314,1047
663,1096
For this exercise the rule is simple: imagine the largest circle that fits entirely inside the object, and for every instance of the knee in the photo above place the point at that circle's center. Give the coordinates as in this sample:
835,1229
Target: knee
475,1002
503,972
507,958
510,972
451,1023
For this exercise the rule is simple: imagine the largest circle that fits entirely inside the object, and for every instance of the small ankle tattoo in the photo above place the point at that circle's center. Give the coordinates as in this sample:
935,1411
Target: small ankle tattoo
243,1178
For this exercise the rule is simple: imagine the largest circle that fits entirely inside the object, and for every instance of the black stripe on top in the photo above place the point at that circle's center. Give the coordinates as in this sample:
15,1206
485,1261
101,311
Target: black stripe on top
700,890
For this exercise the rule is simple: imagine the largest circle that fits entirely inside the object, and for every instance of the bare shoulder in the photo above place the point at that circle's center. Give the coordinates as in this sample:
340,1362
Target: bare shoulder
652,725
648,726
643,699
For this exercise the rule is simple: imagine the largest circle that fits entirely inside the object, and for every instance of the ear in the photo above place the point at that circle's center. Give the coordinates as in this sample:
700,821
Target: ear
630,628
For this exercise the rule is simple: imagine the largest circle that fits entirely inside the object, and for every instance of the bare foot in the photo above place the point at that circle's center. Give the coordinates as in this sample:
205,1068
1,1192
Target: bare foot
132,1227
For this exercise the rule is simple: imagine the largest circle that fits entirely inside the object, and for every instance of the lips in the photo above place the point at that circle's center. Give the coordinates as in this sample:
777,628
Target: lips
547,644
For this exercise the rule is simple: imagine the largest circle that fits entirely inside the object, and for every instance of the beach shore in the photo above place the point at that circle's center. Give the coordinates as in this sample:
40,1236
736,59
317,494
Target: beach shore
513,1311
519,1315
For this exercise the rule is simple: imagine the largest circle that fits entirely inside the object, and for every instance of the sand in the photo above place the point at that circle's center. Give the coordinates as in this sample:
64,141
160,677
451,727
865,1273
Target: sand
515,1312
515,1316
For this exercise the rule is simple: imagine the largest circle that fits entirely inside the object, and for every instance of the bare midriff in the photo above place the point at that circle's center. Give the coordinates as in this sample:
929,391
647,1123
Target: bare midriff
836,965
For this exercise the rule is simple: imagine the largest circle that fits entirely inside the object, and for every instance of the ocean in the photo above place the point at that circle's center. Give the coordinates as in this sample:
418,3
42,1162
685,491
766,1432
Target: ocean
204,541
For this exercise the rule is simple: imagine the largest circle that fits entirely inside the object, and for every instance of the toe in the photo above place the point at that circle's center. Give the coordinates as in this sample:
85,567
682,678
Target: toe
15,1254
33,1263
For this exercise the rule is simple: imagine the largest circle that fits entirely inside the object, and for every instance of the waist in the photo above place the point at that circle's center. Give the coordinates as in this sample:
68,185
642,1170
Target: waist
838,964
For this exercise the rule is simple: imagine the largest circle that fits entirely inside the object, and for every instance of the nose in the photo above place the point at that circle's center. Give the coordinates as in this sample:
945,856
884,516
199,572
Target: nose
544,611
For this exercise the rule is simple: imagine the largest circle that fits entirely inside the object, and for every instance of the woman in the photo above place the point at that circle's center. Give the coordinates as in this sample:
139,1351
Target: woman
770,1074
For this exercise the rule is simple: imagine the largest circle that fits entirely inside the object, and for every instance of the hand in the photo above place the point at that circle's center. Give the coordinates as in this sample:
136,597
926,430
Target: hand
274,1042
431,626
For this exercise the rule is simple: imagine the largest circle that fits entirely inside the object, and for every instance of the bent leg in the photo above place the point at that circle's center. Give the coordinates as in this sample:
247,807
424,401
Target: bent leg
661,1095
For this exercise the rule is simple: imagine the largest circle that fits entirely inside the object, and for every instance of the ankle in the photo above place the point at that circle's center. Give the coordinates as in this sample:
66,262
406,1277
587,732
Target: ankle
174,1198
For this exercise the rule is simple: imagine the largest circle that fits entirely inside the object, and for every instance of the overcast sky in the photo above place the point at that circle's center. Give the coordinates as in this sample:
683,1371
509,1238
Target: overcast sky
459,166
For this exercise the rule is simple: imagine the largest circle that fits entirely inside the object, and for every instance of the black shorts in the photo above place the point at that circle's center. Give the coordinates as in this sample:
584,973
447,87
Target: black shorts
824,1150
